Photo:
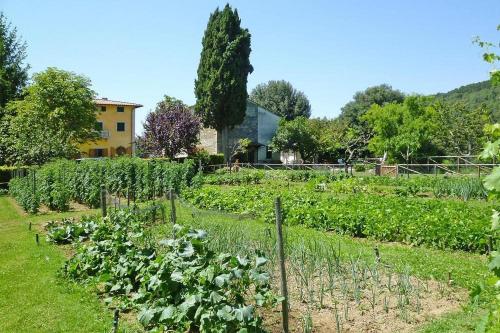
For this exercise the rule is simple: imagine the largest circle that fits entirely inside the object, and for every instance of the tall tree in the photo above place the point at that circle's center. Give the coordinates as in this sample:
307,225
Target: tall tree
363,100
221,86
13,71
57,114
281,98
13,76
171,129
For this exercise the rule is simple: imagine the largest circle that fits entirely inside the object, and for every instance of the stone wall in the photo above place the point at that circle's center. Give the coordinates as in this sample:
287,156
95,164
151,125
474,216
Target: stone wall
208,140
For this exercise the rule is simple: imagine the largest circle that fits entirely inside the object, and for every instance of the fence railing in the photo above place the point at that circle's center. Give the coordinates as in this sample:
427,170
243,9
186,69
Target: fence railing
464,167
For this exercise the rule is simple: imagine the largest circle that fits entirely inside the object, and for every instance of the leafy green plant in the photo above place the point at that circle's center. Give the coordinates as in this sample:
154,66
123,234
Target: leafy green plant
69,230
58,183
178,284
432,222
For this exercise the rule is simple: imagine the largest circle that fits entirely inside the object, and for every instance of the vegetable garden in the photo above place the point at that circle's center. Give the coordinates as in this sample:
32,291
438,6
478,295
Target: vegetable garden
216,269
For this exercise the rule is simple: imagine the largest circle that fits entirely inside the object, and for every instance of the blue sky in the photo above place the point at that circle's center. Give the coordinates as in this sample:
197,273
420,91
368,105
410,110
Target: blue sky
140,50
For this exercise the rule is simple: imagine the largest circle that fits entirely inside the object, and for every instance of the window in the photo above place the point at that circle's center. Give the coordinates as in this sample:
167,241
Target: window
120,109
99,152
120,127
103,108
99,126
269,153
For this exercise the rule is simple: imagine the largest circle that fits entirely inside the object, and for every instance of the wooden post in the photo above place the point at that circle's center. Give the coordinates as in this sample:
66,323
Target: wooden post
37,239
173,217
281,256
115,321
34,182
29,228
435,170
377,255
103,200
478,171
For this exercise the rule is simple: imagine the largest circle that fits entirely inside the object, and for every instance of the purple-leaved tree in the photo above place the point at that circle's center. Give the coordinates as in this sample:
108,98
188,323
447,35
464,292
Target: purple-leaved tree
169,130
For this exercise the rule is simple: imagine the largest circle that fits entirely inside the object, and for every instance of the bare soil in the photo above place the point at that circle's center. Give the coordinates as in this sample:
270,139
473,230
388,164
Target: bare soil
427,299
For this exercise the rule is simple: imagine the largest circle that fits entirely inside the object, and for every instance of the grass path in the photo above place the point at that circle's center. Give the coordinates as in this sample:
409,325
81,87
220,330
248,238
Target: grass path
32,297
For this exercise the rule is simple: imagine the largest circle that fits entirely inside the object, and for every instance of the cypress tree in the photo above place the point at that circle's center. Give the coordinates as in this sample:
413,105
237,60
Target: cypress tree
221,86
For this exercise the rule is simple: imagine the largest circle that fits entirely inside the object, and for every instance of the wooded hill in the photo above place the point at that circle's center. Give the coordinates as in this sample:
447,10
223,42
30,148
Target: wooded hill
475,95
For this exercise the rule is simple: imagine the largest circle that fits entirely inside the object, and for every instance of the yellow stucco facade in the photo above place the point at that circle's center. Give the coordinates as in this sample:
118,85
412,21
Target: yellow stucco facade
116,121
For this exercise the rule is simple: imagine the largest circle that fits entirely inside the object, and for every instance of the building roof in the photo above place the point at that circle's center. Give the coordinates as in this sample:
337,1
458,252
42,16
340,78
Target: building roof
105,101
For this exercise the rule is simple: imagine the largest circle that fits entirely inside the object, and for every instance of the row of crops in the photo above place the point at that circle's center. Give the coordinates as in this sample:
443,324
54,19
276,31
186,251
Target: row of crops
443,224
465,188
56,184
176,283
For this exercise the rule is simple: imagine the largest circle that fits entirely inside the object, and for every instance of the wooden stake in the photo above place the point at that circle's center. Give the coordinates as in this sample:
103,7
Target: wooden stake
377,255
29,228
281,256
103,201
37,239
115,321
173,217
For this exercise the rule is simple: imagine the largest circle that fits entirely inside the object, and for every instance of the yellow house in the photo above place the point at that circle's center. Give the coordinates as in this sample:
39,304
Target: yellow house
115,122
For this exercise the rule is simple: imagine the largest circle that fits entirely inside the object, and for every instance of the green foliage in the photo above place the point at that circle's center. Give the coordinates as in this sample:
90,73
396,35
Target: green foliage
13,75
58,111
221,86
463,188
402,130
281,98
235,178
13,72
23,189
491,321
178,284
461,128
363,100
431,222
58,183
296,136
68,230
481,95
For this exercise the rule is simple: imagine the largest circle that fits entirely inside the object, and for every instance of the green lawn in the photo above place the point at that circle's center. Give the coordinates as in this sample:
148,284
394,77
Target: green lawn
33,298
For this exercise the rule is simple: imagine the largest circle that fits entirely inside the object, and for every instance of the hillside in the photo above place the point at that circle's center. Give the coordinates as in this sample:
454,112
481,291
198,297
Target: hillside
476,94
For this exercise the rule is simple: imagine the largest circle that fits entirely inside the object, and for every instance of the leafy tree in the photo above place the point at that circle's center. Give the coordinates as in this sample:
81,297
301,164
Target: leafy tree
460,129
57,114
363,100
296,136
13,76
171,129
13,71
281,98
402,130
221,86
